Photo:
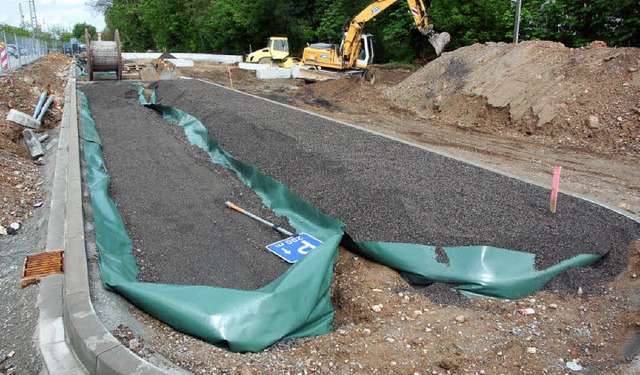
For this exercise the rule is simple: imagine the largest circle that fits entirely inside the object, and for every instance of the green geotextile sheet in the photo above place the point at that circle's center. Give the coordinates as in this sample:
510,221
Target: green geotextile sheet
298,303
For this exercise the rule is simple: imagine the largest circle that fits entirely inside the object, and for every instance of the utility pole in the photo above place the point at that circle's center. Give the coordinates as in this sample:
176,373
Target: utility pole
32,11
22,25
516,27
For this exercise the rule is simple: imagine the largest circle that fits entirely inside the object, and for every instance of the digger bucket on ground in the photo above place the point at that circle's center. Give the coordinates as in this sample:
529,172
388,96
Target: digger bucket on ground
439,41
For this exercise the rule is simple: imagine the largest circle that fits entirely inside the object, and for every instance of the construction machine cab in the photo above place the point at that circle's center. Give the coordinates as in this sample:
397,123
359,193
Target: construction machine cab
277,49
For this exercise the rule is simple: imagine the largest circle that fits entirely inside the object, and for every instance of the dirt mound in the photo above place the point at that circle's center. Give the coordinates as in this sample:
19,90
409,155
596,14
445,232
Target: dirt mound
585,97
20,91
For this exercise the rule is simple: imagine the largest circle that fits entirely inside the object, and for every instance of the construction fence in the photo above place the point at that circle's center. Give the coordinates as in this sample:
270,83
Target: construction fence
17,50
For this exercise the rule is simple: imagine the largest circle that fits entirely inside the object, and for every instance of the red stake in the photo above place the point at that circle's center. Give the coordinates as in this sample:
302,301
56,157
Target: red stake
554,188
230,80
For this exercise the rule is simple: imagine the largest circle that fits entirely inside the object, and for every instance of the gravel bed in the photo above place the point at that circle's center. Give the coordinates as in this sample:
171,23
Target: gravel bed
390,191
171,198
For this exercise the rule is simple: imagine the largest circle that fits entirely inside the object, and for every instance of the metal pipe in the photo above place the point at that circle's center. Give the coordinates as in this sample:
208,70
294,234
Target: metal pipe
516,27
43,96
44,109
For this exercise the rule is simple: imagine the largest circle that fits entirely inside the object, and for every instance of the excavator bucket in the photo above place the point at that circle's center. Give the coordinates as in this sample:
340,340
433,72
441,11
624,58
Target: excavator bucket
160,71
439,41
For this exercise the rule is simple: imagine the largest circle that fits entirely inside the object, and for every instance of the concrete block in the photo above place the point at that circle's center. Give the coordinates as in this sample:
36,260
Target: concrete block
33,143
23,119
224,59
273,73
252,66
295,69
58,359
181,63
85,332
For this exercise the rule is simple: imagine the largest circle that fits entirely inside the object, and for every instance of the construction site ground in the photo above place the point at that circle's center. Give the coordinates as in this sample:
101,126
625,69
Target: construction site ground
459,111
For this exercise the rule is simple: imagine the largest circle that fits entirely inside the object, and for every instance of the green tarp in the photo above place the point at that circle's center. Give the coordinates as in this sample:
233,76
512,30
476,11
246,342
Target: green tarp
298,303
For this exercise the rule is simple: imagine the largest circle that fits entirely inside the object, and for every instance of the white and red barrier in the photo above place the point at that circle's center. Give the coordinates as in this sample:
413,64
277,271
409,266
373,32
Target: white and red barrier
4,59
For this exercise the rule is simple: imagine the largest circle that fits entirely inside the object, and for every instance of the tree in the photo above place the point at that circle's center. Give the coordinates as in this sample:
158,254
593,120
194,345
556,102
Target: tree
577,23
78,31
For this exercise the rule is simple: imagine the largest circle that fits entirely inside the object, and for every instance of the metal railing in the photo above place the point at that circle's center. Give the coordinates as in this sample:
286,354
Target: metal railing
21,50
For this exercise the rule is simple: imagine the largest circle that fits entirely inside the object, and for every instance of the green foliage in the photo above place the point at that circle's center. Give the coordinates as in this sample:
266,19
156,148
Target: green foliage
66,36
78,31
231,26
14,30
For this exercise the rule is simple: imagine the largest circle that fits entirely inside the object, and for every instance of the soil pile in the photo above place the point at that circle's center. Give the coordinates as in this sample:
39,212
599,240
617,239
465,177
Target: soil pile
586,97
20,91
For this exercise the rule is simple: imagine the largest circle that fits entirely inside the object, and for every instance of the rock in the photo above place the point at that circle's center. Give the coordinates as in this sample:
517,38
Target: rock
133,344
592,122
245,370
553,306
376,308
597,44
13,228
437,103
574,365
3,231
449,364
580,291
460,319
531,350
29,80
342,332
366,332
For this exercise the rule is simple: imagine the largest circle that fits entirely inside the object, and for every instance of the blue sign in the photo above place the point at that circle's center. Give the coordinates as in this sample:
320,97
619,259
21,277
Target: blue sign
292,249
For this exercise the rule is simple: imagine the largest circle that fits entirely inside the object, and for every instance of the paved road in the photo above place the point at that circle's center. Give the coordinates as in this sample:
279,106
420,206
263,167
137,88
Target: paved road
171,196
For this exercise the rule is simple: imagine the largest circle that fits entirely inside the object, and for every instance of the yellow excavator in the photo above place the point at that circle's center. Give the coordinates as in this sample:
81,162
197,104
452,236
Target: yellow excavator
355,53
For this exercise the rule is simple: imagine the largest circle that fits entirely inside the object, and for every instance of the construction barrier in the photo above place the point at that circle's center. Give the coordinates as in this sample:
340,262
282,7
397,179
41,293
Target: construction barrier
4,59
298,303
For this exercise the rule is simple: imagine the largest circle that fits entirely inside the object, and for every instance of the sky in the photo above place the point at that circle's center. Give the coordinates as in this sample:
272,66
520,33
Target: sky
65,13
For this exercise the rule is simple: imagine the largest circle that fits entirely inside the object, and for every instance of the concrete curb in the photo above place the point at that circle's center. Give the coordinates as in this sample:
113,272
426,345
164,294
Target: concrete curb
223,59
72,339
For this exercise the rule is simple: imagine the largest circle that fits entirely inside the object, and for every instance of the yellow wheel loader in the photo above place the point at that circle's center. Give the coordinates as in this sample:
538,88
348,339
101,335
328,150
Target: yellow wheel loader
275,53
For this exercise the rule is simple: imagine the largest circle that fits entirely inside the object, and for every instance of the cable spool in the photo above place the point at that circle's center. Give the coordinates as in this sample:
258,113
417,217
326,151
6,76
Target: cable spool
104,56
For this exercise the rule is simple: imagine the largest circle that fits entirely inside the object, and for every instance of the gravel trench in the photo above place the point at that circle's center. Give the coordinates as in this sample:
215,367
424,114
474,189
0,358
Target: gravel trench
171,198
390,191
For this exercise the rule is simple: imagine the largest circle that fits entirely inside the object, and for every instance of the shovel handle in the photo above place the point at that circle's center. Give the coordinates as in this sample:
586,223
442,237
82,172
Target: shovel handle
258,218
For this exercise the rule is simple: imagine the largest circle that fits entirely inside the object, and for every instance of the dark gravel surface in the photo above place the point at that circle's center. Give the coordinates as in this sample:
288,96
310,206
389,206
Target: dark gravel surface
389,191
171,198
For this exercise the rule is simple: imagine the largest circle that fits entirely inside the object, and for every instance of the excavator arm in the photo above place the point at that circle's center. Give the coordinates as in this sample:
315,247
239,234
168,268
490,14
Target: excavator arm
353,37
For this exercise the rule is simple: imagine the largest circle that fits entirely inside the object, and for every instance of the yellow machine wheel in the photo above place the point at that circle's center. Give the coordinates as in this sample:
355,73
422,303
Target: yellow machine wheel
267,61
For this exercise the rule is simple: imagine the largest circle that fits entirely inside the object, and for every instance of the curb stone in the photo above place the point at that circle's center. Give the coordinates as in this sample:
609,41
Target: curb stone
71,337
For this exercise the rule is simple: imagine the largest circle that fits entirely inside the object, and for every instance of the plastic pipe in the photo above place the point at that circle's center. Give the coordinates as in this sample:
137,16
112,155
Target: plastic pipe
44,109
43,96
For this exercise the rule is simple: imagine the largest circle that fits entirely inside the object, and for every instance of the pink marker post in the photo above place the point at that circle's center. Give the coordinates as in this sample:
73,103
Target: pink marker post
554,188
230,80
